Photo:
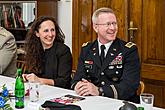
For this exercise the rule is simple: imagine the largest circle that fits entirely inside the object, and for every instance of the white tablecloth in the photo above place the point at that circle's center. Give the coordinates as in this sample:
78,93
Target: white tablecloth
49,92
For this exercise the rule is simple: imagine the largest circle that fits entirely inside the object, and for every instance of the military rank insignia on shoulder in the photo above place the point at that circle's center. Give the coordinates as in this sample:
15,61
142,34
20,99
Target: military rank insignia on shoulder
130,44
84,44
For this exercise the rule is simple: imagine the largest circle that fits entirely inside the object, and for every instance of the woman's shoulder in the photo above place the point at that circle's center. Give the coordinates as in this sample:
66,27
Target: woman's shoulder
61,47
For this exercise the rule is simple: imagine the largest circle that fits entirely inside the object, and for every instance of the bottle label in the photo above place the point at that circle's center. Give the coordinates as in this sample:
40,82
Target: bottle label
19,93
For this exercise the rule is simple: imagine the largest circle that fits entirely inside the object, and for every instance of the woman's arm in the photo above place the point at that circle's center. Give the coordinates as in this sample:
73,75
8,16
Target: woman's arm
33,78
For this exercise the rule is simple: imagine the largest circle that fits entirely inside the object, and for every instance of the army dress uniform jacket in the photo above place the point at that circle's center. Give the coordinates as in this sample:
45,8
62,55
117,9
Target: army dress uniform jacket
8,53
118,77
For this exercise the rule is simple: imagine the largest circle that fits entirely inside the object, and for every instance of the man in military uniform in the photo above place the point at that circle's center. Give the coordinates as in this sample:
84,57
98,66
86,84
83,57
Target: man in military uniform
8,53
108,66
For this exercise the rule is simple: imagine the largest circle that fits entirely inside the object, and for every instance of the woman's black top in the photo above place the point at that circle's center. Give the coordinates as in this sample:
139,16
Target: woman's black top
57,65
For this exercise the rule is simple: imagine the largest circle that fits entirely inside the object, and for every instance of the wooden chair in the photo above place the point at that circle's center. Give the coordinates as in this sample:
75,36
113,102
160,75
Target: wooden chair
21,64
141,88
73,73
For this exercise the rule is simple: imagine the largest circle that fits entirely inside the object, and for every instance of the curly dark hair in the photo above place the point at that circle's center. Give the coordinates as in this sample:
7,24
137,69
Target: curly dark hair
33,47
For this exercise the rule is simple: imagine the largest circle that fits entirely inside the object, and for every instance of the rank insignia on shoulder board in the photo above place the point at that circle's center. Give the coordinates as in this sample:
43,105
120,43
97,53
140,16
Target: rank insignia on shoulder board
130,44
84,44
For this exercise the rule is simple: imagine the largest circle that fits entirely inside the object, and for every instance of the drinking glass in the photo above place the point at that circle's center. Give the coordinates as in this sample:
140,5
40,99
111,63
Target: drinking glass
34,91
147,100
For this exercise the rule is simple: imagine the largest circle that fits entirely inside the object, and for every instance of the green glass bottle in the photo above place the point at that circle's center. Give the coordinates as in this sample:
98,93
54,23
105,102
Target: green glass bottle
19,90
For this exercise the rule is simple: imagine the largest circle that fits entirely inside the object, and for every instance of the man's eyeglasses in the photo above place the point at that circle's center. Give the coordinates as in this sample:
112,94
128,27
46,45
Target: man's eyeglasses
109,24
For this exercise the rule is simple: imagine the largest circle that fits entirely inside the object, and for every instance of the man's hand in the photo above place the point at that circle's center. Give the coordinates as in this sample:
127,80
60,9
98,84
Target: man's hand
85,88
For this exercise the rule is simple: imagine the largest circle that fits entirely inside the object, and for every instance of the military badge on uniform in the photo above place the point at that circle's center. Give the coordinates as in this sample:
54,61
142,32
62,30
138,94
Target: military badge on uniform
130,44
88,62
117,60
88,65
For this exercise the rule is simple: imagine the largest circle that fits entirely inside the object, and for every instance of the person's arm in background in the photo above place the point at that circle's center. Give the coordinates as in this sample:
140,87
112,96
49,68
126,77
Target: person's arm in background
8,53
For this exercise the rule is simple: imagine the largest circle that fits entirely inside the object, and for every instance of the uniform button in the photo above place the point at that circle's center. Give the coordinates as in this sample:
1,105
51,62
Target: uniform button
103,83
102,73
112,54
111,67
117,72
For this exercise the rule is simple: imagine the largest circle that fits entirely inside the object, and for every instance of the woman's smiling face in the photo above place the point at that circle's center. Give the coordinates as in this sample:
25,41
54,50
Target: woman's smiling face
47,33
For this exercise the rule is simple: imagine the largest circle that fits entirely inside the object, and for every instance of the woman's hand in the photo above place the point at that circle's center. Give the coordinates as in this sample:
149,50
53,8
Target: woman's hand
24,77
32,77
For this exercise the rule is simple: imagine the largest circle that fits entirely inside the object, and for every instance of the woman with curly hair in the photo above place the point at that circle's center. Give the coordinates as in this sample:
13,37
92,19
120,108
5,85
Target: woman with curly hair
48,59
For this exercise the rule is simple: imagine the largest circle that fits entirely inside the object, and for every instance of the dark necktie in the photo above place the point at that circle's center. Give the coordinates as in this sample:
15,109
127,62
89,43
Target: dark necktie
102,54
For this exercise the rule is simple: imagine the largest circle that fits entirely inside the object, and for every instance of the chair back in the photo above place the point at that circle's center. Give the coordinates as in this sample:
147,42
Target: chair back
73,73
141,88
21,64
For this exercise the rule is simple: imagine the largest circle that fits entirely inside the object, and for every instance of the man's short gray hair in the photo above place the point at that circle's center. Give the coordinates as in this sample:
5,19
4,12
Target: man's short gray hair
99,11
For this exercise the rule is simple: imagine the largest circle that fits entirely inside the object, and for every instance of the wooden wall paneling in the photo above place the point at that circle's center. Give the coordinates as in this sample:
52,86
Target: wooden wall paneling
86,22
154,72
153,37
135,16
47,8
82,26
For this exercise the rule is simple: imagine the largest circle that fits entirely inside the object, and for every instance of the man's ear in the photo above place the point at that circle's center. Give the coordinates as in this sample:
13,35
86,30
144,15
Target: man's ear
95,27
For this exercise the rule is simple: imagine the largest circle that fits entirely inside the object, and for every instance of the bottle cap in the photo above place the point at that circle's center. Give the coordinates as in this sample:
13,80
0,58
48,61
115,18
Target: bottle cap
140,108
